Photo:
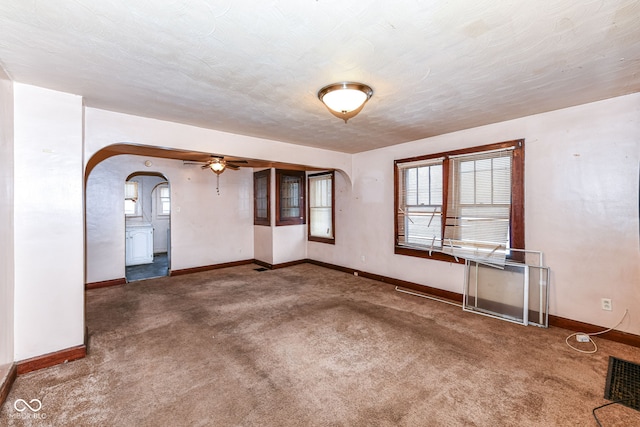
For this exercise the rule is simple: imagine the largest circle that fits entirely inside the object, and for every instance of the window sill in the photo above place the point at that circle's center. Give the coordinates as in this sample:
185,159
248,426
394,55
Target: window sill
438,256
331,241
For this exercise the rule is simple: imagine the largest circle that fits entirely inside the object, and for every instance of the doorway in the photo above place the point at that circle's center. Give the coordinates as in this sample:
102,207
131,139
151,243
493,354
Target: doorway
147,209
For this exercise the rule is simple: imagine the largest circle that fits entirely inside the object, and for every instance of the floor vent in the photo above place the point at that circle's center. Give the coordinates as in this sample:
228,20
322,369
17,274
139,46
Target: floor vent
623,383
261,269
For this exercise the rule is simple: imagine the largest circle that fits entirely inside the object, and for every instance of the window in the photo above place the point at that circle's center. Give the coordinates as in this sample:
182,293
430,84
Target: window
290,204
261,206
321,211
131,198
163,201
462,204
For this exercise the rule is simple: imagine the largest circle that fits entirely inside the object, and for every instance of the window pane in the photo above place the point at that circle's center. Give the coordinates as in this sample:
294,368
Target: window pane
289,197
262,190
502,180
129,207
424,226
411,186
423,186
436,185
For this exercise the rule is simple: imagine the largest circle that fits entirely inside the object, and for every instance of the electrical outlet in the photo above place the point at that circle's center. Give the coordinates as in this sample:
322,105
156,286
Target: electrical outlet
606,304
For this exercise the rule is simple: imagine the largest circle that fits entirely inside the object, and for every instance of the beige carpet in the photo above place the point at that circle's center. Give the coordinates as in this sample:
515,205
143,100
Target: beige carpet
309,346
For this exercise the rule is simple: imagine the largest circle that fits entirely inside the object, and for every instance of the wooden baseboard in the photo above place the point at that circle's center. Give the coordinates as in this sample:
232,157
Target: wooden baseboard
7,382
576,326
331,266
209,267
556,321
281,265
51,359
106,283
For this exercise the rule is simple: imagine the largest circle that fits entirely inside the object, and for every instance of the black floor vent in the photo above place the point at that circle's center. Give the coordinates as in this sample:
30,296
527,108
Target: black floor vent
623,383
261,269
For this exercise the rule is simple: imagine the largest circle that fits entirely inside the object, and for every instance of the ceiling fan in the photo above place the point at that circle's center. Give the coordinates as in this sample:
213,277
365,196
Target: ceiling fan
217,164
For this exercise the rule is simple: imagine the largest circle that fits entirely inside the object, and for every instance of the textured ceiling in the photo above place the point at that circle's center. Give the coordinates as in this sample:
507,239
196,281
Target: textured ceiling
254,67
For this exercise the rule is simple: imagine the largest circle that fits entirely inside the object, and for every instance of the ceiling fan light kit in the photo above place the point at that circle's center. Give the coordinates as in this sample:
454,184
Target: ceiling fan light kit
345,99
217,166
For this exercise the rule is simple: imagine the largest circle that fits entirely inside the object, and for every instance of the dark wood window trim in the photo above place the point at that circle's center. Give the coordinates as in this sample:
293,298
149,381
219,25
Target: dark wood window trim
261,220
281,219
517,198
331,240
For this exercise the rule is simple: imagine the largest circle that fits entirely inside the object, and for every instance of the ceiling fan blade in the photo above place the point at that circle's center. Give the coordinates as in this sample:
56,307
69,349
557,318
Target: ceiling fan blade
232,166
205,166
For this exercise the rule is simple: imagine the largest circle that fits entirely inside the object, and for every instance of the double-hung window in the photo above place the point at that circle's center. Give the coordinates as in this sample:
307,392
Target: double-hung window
463,204
321,212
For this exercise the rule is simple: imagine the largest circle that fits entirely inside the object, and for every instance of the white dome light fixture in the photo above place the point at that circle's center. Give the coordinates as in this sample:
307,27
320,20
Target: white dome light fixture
346,99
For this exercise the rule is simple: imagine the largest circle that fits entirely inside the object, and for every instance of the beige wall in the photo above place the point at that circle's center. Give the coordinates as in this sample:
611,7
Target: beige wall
581,179
6,223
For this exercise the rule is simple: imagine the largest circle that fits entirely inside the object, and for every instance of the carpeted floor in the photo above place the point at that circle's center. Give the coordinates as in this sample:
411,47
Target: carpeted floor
309,346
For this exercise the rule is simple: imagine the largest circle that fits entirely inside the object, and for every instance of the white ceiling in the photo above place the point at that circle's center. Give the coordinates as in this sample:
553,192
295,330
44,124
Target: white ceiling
254,67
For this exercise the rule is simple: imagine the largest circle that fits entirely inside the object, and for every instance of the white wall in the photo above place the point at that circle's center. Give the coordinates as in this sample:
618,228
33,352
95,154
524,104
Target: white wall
49,222
581,208
206,228
6,223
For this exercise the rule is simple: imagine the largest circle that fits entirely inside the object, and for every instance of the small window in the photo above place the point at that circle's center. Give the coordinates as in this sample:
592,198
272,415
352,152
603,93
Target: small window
163,201
261,205
131,205
321,210
290,200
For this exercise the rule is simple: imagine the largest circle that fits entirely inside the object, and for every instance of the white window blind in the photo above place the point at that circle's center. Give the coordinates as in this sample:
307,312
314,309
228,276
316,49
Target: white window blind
320,206
131,190
478,207
420,204
130,198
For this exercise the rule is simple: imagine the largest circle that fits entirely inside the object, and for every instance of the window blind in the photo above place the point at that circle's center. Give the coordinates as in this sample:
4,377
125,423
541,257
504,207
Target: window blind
478,207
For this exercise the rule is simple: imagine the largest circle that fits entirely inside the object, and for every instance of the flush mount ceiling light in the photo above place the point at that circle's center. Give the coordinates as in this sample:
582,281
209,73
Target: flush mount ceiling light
346,99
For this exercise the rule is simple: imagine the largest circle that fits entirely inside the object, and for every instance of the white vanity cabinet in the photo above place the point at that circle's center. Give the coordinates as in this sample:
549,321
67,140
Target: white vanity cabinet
139,244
